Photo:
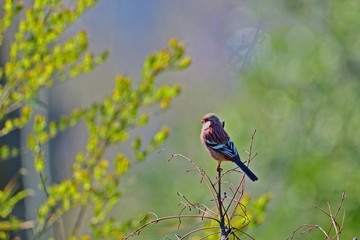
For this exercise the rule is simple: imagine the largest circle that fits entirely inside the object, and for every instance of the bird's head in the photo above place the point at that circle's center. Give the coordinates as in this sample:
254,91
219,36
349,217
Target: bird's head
211,120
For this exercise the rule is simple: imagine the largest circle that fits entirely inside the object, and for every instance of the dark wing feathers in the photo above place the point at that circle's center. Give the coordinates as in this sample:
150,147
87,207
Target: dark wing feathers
228,149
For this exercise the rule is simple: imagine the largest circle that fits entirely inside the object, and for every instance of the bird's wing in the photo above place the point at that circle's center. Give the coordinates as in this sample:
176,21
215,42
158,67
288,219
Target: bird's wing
228,149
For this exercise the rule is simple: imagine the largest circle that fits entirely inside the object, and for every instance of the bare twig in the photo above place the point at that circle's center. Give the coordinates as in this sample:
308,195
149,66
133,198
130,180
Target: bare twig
242,182
196,230
224,230
8,225
239,230
198,206
343,196
204,175
309,227
334,224
138,230
78,221
209,235
43,180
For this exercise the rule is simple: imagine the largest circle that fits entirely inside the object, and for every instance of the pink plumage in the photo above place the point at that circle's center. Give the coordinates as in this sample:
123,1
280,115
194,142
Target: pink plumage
219,145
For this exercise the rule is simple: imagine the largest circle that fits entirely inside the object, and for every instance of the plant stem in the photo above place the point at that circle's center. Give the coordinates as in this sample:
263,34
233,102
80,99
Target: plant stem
78,221
138,230
224,230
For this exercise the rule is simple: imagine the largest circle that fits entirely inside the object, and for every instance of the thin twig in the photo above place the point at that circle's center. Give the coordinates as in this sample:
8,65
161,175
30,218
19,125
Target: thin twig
138,230
343,196
242,181
196,230
5,93
46,226
197,206
209,235
323,211
233,199
343,221
310,227
243,233
20,225
149,213
43,180
78,221
230,171
59,229
203,174
334,223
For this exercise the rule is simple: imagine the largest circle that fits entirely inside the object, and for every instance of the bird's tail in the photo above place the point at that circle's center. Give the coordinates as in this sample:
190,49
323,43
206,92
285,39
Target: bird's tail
245,169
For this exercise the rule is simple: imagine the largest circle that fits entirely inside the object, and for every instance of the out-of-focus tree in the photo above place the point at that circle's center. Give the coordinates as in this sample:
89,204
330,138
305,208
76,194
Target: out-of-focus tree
302,93
36,59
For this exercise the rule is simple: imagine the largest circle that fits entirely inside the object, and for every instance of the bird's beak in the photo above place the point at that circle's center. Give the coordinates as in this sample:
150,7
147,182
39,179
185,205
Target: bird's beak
202,121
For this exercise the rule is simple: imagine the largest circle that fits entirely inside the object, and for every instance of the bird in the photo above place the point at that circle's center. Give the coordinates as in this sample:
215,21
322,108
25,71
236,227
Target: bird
219,145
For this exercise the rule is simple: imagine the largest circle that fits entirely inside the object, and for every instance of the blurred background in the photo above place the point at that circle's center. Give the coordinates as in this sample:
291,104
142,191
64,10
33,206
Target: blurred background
290,69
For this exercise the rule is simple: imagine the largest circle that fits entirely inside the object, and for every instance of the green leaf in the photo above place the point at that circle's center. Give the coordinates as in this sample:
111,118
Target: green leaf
137,144
122,163
4,152
184,63
39,163
39,123
161,135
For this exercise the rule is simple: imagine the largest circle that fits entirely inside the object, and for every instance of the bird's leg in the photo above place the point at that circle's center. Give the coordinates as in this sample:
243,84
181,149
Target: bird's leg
218,167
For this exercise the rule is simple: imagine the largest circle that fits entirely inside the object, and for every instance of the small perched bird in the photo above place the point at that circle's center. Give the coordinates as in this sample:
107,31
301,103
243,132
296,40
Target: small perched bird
219,144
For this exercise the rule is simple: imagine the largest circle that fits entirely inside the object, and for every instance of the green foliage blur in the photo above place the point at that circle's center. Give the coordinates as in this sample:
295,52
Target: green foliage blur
302,92
36,61
251,214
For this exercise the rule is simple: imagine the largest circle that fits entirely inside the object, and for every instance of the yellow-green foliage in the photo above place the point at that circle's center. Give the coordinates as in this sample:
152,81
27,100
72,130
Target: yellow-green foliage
35,60
249,213
94,181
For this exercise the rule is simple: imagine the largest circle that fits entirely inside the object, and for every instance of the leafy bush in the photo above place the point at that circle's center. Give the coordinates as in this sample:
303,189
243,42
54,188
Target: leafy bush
36,59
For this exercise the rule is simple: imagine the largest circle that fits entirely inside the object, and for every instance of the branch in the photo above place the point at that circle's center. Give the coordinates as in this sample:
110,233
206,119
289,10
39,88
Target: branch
225,232
239,230
196,230
242,181
78,221
197,206
310,227
16,225
137,231
343,196
338,228
204,175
